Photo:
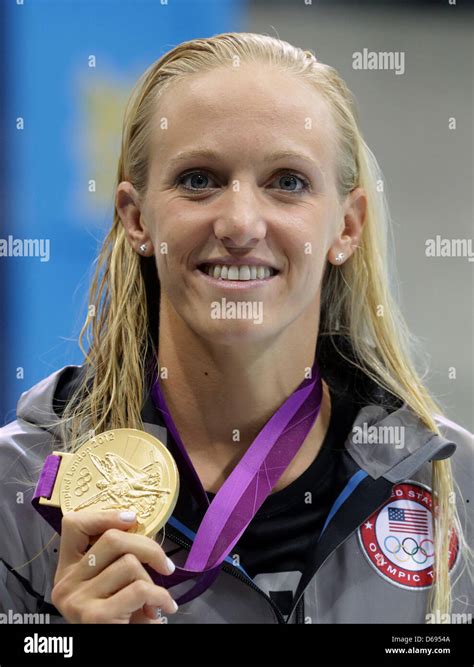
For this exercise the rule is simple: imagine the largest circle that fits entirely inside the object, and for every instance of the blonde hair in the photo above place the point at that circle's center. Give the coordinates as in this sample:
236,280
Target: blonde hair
122,323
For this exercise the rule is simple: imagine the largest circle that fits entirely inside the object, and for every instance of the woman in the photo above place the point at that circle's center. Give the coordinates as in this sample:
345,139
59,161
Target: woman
243,178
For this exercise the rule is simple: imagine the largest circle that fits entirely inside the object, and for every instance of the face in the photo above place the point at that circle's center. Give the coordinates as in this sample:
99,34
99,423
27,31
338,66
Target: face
242,169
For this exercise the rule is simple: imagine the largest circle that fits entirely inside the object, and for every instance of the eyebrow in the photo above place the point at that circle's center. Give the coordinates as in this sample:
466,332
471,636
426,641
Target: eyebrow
269,157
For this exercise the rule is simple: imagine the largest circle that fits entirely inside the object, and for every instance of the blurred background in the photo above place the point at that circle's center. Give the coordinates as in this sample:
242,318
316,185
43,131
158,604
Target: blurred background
60,131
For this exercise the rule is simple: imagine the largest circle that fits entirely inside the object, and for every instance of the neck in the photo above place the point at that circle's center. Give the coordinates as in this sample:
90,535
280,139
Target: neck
220,395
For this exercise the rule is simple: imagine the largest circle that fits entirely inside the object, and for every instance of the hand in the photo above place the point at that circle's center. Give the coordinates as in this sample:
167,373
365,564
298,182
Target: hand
108,583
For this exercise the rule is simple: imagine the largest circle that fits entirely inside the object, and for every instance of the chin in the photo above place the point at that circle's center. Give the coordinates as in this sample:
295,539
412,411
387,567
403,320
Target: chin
235,332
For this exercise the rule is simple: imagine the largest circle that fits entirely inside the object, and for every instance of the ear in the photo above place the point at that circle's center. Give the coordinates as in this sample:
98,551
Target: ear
127,202
354,212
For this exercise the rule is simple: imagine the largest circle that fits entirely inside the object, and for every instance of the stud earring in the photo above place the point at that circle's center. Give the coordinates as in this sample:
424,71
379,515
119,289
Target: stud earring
340,257
143,247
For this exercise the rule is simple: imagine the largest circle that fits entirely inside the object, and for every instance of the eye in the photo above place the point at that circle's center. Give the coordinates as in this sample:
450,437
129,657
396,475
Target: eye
194,181
199,180
290,179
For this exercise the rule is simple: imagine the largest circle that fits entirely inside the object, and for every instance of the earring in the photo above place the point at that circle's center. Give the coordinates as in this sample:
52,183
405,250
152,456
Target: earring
340,257
143,247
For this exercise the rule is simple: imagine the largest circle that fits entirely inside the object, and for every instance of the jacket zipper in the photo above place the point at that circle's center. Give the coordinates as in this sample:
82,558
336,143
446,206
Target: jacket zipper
299,610
235,573
300,600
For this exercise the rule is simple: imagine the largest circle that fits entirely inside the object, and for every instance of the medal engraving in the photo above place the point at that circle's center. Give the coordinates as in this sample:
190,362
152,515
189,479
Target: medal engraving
123,469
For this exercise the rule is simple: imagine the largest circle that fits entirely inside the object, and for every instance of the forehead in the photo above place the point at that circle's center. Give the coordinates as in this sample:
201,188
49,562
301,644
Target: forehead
242,112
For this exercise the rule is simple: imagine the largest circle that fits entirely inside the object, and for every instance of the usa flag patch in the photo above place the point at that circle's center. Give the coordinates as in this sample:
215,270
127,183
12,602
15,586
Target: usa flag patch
397,539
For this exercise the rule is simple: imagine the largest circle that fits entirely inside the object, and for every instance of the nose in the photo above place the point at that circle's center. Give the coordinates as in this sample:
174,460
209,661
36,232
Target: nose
240,219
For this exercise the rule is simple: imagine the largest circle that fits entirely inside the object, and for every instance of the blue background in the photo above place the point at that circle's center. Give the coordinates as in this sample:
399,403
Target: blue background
72,121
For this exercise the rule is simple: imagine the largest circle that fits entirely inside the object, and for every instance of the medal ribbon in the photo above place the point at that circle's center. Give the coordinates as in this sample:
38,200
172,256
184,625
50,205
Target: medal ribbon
246,488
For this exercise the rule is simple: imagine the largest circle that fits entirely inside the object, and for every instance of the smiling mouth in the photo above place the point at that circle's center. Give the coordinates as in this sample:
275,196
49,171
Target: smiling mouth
237,273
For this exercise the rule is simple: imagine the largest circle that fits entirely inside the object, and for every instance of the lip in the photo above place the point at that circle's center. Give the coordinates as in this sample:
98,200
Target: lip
236,284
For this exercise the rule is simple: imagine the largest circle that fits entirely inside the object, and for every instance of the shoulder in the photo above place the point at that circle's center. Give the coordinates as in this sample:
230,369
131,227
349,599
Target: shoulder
50,394
26,441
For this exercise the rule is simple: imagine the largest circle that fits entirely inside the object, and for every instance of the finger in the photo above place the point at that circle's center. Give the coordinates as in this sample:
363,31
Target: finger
118,575
115,543
77,527
139,593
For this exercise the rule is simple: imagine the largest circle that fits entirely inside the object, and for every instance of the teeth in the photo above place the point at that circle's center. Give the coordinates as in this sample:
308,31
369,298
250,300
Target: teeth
244,272
233,273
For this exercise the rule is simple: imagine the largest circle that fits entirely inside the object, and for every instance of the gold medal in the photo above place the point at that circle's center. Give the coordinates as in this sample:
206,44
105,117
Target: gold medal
122,469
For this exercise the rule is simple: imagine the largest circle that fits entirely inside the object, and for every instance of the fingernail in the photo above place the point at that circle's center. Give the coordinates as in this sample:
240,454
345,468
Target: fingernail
175,605
127,516
170,565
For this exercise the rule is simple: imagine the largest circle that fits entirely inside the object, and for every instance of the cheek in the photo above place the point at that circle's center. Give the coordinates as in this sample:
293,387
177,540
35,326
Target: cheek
305,246
307,258
174,241
310,274
182,222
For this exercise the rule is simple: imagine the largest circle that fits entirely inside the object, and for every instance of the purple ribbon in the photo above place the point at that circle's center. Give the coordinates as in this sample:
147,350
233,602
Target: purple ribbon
246,488
44,488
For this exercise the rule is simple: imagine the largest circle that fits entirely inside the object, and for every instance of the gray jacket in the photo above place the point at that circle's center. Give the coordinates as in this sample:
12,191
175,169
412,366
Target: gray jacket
354,574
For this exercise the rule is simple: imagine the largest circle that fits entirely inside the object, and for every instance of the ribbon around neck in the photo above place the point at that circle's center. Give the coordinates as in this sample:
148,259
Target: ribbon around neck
246,488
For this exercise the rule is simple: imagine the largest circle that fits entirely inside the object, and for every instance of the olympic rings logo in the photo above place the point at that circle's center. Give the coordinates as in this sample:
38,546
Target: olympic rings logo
82,482
409,548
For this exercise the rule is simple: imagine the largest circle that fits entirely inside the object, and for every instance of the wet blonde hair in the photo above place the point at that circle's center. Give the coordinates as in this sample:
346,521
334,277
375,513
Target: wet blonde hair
122,322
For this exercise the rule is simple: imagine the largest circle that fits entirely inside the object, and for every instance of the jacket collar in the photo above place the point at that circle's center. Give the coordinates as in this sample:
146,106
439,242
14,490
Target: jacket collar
394,445
391,444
